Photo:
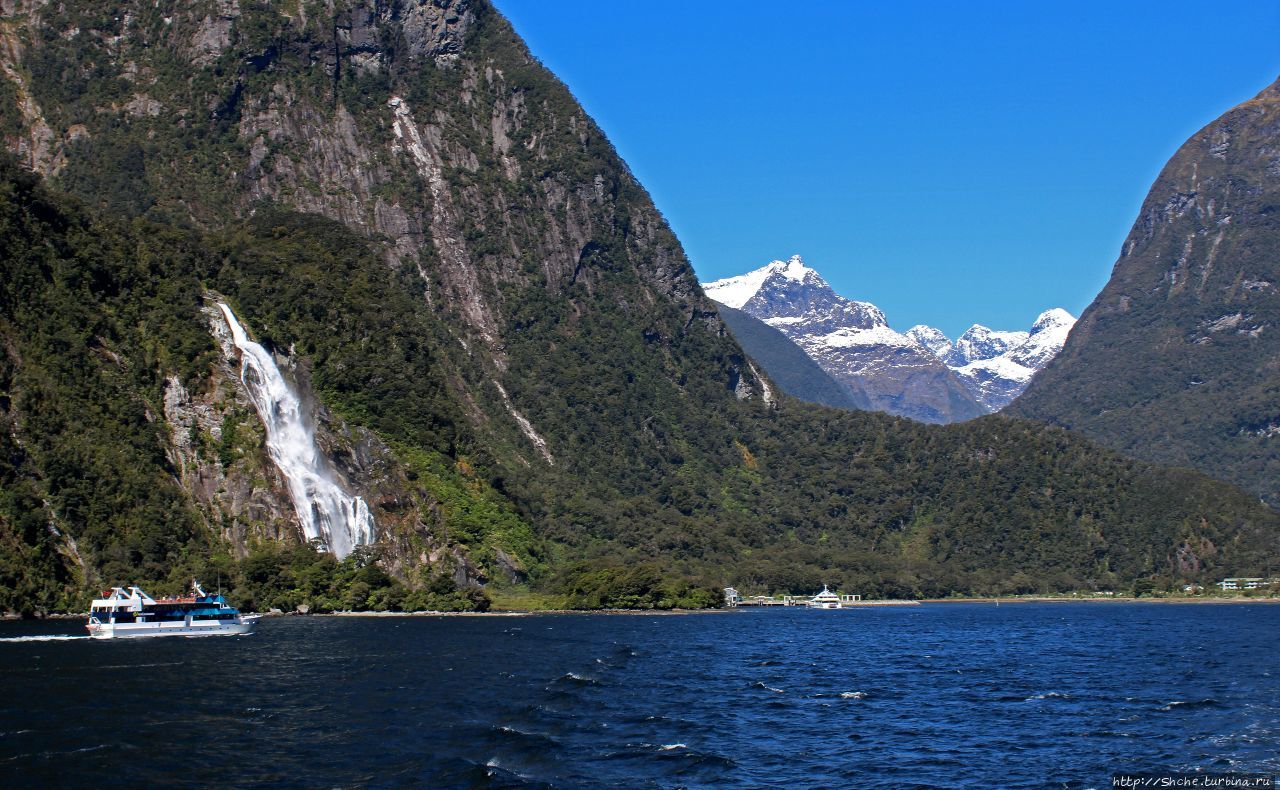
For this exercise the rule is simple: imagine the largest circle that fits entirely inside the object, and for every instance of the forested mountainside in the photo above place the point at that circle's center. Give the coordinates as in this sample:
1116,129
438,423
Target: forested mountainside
504,349
1177,361
131,452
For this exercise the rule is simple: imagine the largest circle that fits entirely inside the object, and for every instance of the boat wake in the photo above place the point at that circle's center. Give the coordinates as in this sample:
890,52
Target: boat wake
1048,695
1183,704
42,638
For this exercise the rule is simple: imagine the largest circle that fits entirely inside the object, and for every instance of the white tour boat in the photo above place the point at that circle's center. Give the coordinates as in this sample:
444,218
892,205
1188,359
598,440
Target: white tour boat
133,613
824,600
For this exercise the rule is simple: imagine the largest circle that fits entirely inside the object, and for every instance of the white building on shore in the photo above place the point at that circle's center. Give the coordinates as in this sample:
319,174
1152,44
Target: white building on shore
1245,583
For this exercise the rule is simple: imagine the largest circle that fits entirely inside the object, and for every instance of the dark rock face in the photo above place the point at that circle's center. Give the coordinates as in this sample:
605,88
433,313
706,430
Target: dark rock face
425,127
389,117
1178,358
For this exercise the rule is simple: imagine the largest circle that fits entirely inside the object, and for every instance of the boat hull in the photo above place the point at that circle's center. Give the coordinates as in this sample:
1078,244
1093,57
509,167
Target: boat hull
177,628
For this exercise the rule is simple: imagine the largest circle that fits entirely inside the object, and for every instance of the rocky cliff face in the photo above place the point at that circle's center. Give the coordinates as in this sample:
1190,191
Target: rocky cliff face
218,448
405,121
426,128
505,349
1176,360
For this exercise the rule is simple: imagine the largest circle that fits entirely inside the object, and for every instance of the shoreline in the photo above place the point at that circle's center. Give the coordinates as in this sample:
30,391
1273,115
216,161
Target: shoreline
866,604
518,613
887,603
1069,599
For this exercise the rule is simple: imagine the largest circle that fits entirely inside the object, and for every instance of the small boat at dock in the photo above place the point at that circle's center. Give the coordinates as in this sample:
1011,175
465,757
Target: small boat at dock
824,600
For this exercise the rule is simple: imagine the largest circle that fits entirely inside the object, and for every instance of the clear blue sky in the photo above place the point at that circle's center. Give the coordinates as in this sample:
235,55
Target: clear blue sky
953,162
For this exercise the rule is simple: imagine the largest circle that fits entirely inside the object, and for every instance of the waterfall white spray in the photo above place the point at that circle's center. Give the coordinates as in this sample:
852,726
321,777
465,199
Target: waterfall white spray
326,512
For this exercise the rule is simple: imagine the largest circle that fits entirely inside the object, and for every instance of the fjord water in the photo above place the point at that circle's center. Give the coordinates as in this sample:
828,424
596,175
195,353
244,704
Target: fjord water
324,509
939,695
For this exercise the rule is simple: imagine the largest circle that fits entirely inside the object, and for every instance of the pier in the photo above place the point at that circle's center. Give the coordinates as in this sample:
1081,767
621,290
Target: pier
733,599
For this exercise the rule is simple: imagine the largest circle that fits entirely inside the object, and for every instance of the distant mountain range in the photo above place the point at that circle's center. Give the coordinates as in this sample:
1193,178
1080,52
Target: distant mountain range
997,366
920,374
790,368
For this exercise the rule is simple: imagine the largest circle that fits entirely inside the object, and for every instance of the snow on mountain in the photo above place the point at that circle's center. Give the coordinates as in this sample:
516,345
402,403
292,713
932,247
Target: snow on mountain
997,379
1048,335
919,374
851,340
736,291
874,336
931,340
978,342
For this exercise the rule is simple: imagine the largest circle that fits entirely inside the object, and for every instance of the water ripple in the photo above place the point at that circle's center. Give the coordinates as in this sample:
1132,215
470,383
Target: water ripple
952,695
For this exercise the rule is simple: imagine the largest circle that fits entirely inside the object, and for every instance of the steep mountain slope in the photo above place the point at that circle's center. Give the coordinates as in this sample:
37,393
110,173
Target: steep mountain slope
1178,359
132,450
499,338
427,129
787,364
995,366
850,340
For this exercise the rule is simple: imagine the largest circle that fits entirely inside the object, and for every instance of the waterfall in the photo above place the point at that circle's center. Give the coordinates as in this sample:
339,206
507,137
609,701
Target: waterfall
326,512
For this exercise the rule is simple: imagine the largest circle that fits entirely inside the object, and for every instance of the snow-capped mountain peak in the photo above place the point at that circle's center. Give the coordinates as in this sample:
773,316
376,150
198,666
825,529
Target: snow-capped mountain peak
921,373
794,269
979,342
1048,334
737,291
1053,318
931,340
850,340
997,366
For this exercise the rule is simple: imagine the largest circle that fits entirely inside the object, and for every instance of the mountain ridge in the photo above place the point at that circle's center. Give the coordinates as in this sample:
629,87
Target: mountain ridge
788,365
505,349
998,366
1175,361
850,340
980,373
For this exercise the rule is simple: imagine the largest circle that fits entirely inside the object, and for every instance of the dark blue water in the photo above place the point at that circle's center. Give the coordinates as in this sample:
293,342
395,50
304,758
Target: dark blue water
939,695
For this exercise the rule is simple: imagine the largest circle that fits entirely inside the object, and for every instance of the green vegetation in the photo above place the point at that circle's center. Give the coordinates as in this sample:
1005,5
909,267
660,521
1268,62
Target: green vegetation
661,487
1176,360
643,586
90,314
300,578
310,285
95,314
